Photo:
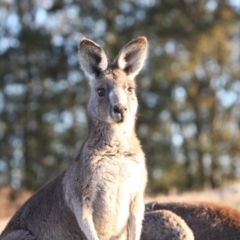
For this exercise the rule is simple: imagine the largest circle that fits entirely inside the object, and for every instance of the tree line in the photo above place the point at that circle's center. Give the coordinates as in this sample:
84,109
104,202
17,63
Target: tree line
189,114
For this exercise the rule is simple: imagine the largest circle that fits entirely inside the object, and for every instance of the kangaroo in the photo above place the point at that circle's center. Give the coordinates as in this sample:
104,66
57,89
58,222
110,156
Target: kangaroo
100,196
207,220
165,225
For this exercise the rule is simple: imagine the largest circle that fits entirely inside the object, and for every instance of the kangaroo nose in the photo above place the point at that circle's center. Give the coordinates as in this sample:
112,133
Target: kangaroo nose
119,109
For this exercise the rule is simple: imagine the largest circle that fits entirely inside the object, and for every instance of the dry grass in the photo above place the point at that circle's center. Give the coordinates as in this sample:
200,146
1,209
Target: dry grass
229,195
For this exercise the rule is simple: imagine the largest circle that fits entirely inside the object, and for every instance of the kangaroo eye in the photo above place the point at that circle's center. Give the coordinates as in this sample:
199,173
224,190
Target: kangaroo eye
130,90
101,92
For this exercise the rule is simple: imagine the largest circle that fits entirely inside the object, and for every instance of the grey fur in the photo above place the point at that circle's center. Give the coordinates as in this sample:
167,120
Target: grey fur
101,193
20,235
165,225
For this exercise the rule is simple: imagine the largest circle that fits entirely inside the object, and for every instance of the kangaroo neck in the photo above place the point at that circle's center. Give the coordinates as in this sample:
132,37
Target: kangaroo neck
102,134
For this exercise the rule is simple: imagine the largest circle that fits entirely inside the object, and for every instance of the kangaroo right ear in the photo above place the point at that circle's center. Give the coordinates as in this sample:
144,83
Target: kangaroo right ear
92,58
132,56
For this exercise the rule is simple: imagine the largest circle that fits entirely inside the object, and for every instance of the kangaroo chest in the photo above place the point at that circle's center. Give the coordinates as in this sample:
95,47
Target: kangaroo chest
116,183
116,176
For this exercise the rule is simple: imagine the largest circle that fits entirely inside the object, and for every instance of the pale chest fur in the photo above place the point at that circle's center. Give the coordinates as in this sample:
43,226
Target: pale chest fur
118,178
117,175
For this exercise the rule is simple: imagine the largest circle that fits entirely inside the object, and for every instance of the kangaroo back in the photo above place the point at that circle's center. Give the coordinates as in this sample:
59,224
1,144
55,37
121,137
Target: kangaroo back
207,220
163,225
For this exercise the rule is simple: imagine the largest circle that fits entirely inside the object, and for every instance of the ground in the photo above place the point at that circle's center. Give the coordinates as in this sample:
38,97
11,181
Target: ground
228,195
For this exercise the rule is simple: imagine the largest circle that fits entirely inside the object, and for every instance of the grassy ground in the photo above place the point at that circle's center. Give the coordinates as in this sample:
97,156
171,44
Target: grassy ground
228,195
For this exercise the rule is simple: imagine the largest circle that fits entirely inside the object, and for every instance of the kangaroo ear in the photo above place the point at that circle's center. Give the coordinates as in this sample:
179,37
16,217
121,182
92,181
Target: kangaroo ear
132,56
92,58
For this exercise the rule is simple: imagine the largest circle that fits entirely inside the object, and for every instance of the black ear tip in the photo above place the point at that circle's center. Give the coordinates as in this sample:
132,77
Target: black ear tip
85,42
84,39
141,40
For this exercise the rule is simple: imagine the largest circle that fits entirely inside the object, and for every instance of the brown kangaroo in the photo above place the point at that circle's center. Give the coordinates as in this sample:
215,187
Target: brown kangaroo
207,220
101,194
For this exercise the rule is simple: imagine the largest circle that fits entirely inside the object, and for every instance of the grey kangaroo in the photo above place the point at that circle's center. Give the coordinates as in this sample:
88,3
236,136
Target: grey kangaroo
101,194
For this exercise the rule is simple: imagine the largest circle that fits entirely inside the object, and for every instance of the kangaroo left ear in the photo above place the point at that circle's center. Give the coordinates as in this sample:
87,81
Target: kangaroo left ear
132,56
92,58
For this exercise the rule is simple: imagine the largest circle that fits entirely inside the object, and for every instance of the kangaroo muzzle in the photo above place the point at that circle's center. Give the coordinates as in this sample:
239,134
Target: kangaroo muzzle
118,113
118,101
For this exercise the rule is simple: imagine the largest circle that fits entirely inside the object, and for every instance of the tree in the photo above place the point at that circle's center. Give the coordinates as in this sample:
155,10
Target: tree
189,99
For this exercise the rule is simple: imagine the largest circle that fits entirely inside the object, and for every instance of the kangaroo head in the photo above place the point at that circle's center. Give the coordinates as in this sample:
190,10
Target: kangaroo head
112,99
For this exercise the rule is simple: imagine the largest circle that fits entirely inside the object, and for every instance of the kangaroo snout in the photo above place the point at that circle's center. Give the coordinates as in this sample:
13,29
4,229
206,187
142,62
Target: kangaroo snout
118,112
119,109
118,100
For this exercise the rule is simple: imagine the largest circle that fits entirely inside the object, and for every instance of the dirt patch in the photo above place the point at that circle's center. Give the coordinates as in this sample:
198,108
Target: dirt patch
8,206
10,203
